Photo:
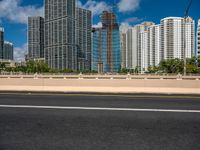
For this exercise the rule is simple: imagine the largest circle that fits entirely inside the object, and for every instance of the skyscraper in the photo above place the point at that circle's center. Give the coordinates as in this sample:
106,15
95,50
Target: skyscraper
198,37
83,37
1,42
132,48
142,48
154,53
137,46
189,37
8,51
144,51
106,55
35,37
174,33
123,45
60,43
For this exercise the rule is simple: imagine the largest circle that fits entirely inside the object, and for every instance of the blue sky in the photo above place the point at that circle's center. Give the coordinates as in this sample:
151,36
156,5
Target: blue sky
13,14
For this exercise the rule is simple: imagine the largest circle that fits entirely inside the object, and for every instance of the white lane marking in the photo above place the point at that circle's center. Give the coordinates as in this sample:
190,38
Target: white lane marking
100,108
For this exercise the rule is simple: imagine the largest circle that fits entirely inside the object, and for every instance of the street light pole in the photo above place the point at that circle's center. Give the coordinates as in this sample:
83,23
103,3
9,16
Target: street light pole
185,22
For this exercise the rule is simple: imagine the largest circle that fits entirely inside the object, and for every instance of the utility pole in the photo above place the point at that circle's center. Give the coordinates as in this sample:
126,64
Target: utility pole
185,22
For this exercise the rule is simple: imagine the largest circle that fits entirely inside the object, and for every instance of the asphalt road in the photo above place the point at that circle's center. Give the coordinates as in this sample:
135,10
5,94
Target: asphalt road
99,122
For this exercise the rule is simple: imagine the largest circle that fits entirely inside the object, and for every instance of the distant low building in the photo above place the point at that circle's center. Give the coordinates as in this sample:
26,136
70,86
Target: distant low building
8,63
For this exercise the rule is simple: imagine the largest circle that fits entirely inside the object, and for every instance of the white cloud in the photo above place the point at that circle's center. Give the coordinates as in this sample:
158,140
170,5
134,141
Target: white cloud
125,24
20,52
13,11
133,20
96,7
98,25
128,5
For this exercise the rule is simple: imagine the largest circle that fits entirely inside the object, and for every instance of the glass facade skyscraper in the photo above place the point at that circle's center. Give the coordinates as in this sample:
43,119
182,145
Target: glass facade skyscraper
106,53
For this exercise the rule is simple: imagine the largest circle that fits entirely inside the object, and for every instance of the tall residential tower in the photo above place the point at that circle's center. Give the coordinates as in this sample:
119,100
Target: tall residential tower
137,47
174,33
123,45
60,39
83,37
35,37
154,53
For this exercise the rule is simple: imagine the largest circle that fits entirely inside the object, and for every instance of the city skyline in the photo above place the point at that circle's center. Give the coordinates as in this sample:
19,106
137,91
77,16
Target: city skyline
137,12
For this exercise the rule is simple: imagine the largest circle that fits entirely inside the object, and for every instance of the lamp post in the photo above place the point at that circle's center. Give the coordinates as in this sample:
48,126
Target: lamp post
185,21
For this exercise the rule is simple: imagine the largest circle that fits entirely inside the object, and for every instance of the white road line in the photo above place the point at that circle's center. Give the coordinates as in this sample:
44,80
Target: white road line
100,108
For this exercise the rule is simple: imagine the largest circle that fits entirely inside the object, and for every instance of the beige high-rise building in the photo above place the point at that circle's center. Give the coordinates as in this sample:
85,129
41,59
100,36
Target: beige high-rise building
144,57
123,44
147,44
142,47
136,51
154,53
176,34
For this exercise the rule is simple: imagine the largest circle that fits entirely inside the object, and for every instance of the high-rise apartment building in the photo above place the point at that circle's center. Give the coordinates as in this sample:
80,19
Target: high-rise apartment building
198,38
106,54
8,51
176,34
123,45
83,37
1,42
189,37
147,44
137,46
142,48
154,53
144,51
132,44
60,37
35,37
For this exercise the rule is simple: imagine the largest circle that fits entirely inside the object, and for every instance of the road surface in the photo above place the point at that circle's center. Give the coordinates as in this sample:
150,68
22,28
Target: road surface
99,122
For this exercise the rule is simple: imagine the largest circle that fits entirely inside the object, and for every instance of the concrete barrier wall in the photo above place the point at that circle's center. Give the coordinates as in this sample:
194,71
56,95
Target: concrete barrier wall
162,83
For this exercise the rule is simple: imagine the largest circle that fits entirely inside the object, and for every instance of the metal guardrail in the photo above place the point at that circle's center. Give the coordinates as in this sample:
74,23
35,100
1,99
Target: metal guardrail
100,77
